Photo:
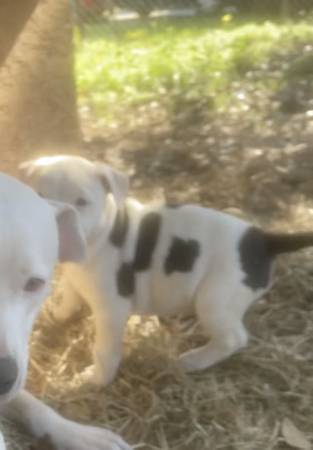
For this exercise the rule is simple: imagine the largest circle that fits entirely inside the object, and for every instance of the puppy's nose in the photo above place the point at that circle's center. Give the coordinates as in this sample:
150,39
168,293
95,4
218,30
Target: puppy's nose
8,374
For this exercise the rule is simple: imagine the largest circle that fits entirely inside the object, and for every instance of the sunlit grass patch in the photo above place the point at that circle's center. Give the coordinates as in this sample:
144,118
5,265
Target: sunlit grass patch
119,67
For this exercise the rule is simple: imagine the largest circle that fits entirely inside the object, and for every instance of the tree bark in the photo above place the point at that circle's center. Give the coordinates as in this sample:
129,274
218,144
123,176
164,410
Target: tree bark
38,110
13,16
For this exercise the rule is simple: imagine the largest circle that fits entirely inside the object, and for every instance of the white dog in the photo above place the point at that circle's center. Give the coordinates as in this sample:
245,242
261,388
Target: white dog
33,236
159,260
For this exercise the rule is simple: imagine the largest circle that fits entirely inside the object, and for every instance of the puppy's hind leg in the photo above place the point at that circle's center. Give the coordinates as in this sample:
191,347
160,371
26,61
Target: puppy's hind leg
220,313
70,304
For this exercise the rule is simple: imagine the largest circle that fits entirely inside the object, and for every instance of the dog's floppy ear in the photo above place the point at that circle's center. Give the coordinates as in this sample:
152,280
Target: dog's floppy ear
114,181
72,244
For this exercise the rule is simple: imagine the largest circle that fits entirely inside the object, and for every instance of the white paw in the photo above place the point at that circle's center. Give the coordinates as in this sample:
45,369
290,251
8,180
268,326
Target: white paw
2,443
192,360
72,436
93,375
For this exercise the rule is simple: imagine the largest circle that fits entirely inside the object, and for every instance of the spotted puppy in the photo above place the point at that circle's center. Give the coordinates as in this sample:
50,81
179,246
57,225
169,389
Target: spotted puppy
162,260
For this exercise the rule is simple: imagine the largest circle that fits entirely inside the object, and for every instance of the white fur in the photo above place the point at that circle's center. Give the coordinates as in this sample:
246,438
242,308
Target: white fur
34,235
213,289
2,443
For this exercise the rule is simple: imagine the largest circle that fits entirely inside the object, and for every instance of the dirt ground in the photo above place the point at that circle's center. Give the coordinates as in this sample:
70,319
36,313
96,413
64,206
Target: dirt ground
255,160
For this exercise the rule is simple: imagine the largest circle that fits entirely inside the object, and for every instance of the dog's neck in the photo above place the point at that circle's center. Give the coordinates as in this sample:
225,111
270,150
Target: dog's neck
104,230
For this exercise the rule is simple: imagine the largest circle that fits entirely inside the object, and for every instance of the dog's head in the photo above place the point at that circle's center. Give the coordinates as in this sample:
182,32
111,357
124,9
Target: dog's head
34,235
81,183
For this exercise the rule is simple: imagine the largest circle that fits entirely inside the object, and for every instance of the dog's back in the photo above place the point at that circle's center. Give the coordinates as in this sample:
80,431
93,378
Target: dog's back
171,249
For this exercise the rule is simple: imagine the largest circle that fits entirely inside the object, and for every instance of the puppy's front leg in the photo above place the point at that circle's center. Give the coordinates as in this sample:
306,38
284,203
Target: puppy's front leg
2,443
110,321
70,303
64,434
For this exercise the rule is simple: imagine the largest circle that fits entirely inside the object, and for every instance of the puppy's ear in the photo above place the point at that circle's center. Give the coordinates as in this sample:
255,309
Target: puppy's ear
72,244
29,171
114,181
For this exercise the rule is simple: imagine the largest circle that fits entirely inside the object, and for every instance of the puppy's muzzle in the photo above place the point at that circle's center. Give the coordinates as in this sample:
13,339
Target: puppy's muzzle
8,374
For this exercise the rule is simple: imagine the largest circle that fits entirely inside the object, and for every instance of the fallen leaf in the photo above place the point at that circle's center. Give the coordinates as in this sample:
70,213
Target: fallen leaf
293,436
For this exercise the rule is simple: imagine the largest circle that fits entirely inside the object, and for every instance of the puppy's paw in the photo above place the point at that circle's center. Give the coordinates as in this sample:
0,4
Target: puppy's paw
2,443
92,375
192,360
72,436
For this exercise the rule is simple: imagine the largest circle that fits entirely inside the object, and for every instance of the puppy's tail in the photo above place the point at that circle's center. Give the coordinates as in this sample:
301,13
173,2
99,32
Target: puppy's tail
278,243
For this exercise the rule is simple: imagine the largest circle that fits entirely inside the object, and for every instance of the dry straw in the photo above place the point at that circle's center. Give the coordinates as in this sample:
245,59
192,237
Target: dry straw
240,404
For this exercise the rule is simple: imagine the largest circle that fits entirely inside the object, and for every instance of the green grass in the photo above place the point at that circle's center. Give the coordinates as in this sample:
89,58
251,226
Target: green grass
120,67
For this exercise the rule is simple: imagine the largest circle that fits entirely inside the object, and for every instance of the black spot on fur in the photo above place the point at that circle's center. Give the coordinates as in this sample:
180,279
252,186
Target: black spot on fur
120,227
147,239
181,256
255,258
126,280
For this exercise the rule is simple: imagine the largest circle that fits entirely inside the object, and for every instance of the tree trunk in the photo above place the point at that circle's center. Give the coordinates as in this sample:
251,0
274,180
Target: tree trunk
285,9
13,16
38,110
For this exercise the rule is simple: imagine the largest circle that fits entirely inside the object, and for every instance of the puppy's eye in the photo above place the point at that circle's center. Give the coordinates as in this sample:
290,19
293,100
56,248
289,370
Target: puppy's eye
81,202
34,284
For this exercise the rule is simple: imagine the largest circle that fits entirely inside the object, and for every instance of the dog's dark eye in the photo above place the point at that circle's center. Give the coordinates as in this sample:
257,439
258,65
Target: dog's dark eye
34,284
81,202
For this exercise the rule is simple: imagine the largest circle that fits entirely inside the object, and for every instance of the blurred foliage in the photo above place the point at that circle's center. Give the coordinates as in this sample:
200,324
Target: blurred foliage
269,7
86,10
120,66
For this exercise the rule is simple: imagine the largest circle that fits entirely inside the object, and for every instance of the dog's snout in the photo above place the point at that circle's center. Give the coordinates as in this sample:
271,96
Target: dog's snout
8,374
